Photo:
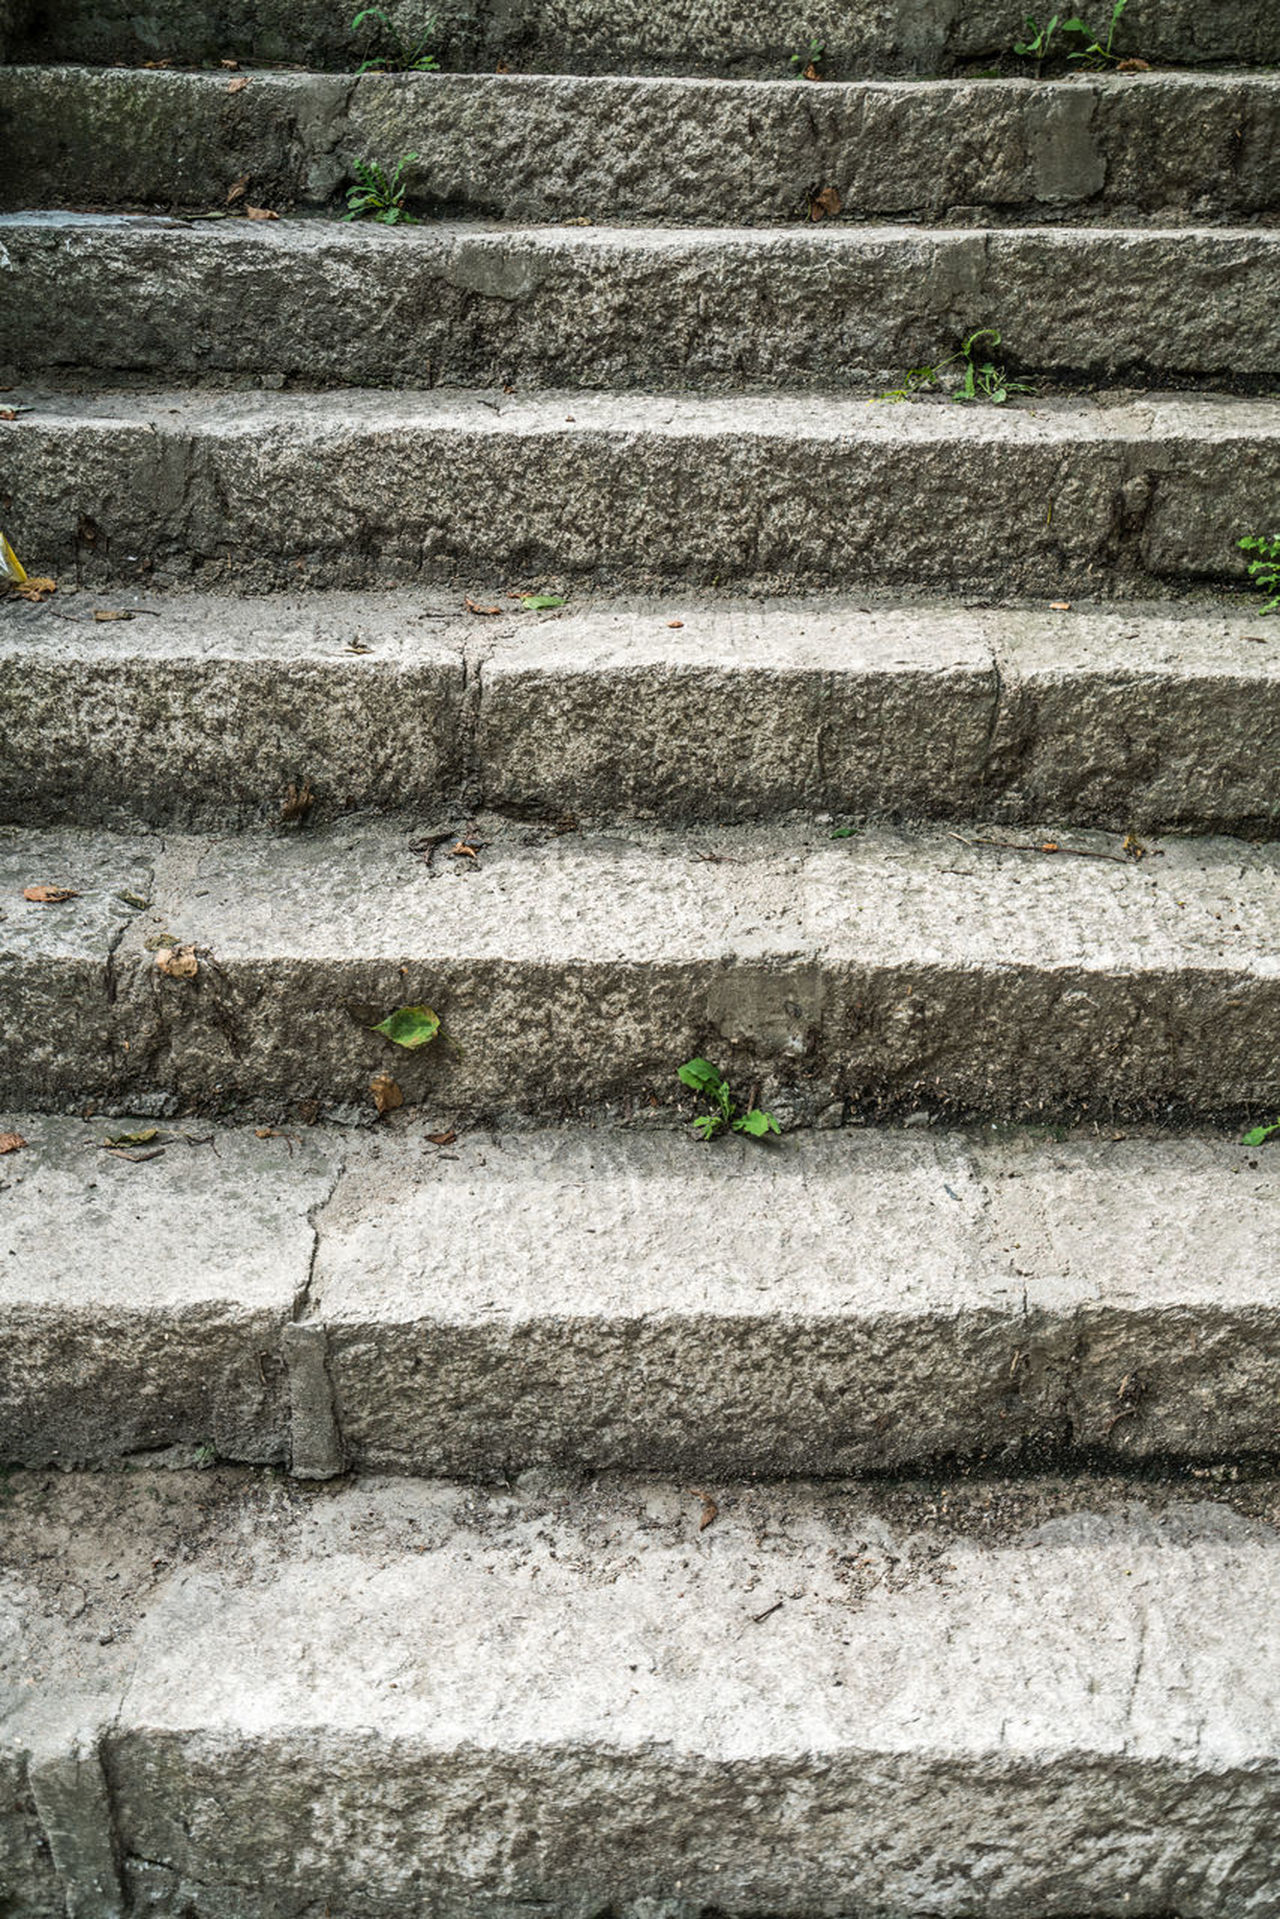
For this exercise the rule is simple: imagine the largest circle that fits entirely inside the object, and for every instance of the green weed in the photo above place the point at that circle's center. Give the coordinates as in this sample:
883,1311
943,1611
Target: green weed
809,63
1265,570
983,378
1259,1135
377,197
1097,50
391,53
725,1115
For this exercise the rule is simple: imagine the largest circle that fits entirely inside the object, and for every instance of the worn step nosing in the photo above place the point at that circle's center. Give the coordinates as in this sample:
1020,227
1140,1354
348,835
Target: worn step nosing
569,969
361,487
1152,146
589,306
839,1303
1082,717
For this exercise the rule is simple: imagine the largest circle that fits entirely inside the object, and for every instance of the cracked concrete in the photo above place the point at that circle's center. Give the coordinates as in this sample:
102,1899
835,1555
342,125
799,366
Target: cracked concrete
591,1299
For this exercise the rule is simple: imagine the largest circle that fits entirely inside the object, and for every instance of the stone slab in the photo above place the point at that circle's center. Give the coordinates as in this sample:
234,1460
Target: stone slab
1168,148
202,710
565,1693
899,966
462,304
715,36
364,487
143,1298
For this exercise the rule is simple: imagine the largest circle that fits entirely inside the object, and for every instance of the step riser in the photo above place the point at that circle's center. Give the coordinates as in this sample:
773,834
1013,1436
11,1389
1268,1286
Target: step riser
289,495
1074,719
742,39
839,309
619,150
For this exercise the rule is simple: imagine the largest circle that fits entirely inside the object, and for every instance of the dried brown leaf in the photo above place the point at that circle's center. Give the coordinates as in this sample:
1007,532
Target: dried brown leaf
825,204
177,962
441,1139
10,1142
709,1510
35,587
49,895
261,213
1059,606
238,86
8,413
675,624
237,189
297,802
230,65
104,613
387,1094
473,607
156,1152
1133,66
462,851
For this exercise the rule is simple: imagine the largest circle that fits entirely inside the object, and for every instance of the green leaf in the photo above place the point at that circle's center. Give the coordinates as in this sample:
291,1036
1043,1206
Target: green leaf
409,1026
540,602
846,832
143,1138
756,1123
701,1075
708,1126
1259,1135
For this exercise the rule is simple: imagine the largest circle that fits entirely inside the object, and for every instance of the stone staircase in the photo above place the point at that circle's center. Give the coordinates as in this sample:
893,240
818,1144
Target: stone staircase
508,1505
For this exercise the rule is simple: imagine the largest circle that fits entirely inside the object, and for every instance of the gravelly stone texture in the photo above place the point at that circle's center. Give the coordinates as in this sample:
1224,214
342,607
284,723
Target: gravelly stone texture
466,305
568,1694
1155,147
362,488
899,966
714,36
204,711
841,1301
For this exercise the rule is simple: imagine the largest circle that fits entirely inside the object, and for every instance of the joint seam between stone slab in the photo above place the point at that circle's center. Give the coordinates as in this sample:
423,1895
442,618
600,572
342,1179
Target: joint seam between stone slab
75,1805
316,1449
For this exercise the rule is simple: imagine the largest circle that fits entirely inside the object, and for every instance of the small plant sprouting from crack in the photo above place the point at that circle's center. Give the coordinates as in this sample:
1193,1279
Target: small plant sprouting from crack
390,52
809,63
725,1116
1265,570
1096,52
982,377
379,196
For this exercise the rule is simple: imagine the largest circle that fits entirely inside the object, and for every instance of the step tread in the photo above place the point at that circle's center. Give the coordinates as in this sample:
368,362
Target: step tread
468,304
629,1297
1147,146
561,1686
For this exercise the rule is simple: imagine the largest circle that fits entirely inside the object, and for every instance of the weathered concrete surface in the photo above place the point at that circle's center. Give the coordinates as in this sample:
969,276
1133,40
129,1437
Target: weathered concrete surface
360,487
570,968
465,305
143,1299
712,37
845,1302
1109,148
202,710
567,1695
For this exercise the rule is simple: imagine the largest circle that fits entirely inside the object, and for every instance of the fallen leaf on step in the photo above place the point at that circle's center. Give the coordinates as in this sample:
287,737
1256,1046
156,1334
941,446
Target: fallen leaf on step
297,802
230,65
387,1094
104,613
472,607
1133,846
1059,606
153,66
441,1139
827,202
811,72
237,189
157,1152
238,86
35,588
358,646
463,851
261,213
1049,846
709,1510
502,67
409,1026
8,413
675,624
10,1142
49,895
540,602
177,962
144,1138
1133,66
266,1132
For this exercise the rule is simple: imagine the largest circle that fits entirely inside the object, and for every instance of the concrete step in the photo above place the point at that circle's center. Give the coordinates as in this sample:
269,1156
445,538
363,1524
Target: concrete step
569,1696
465,305
1147,147
896,969
361,487
591,36
200,710
847,1301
